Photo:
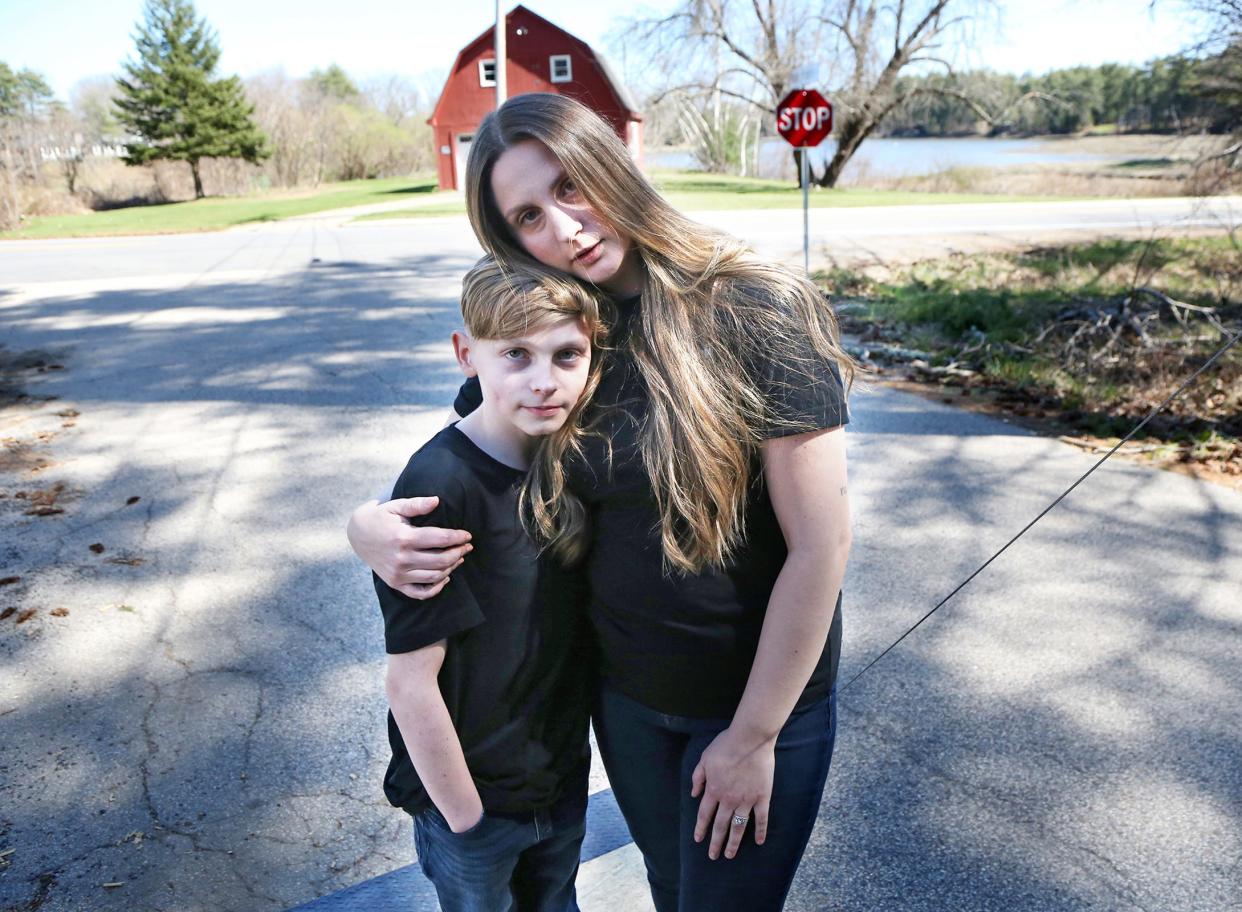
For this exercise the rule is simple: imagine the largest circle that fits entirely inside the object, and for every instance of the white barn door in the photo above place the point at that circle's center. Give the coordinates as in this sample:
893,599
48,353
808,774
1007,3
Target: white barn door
459,160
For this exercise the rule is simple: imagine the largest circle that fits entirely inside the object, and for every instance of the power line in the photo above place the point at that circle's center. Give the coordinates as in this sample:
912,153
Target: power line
1138,427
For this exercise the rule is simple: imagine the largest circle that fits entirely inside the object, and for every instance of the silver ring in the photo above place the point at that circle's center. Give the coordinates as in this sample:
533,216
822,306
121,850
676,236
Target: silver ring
739,820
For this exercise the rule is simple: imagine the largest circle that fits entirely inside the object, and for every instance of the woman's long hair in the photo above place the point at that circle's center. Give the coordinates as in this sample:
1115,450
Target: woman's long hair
499,302
710,309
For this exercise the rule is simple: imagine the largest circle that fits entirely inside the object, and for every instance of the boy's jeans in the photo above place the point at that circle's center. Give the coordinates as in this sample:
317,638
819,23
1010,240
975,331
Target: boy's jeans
511,863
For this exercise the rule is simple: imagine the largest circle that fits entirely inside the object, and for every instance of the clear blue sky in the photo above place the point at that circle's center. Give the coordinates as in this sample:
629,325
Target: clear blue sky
67,40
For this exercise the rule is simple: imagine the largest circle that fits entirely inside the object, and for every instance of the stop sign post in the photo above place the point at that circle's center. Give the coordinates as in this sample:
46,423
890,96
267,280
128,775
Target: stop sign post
804,119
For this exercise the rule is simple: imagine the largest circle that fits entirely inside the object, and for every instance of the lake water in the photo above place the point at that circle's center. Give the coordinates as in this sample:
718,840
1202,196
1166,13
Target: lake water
890,157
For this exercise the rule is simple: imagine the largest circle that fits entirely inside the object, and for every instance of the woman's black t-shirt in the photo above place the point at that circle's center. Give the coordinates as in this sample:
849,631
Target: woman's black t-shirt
681,643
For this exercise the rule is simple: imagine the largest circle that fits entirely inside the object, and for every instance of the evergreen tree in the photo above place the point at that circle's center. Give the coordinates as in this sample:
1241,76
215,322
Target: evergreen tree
334,83
172,101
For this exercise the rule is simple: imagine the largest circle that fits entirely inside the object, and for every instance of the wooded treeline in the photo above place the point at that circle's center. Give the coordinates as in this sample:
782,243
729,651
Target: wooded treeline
127,140
61,156
725,64
1169,95
722,66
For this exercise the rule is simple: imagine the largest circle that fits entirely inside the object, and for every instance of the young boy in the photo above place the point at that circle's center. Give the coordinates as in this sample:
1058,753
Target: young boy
489,680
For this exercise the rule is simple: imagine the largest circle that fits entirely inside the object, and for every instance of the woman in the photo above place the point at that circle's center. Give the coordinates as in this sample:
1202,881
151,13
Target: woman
713,483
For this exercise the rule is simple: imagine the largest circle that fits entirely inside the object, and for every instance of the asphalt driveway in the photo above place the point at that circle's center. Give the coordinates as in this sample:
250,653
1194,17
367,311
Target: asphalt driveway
192,716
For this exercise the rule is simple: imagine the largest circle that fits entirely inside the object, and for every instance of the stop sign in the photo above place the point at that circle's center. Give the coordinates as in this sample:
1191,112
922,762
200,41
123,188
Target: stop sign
804,118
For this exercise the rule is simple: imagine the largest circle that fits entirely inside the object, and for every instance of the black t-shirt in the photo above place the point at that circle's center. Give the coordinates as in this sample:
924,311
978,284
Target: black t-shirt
677,643
519,662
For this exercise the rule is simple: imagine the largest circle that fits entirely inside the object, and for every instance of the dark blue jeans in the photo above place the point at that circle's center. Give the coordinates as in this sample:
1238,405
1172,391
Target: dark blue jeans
511,863
650,758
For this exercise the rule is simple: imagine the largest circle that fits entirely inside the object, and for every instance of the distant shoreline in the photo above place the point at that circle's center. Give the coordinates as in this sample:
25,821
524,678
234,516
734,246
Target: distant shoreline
888,158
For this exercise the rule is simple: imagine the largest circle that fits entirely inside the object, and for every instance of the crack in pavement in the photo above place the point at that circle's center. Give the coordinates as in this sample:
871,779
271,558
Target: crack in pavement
1016,812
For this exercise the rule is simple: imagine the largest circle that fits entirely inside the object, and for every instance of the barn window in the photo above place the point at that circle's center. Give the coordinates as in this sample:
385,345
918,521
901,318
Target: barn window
562,68
487,72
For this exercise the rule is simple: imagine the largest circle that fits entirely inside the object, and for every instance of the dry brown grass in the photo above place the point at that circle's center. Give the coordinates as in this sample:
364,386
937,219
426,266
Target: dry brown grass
1044,181
1178,180
1086,338
1138,166
108,183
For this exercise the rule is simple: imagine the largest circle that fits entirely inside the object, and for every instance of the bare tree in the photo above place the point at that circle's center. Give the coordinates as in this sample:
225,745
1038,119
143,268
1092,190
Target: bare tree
92,102
327,128
761,47
26,103
882,40
399,98
68,145
293,126
1221,43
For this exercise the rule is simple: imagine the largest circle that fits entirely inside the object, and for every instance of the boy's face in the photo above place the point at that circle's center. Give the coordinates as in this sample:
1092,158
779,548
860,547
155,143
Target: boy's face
532,382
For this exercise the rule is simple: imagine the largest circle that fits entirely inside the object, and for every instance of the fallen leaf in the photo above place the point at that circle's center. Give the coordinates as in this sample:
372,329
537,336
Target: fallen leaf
43,497
127,561
68,413
7,613
97,548
126,608
10,580
60,612
133,500
44,511
27,615
68,424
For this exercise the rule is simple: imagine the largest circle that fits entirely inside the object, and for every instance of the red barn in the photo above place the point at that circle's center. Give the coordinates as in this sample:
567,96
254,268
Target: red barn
540,58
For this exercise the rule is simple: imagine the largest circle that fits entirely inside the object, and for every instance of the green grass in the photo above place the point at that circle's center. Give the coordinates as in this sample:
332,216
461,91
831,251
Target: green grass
692,190
448,207
1146,163
687,190
991,311
1007,296
215,213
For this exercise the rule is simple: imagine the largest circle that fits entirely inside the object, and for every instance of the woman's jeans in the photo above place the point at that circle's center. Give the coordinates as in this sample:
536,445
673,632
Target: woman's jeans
650,758
511,863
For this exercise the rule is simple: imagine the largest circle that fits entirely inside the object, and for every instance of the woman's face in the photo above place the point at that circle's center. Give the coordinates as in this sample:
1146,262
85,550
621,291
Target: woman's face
556,225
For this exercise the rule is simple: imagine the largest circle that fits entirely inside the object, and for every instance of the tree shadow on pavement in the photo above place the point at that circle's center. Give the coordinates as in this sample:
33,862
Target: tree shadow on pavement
1063,734
205,724
206,727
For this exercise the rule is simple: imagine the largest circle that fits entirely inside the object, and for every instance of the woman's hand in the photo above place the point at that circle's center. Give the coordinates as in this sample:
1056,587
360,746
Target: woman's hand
414,560
734,776
807,481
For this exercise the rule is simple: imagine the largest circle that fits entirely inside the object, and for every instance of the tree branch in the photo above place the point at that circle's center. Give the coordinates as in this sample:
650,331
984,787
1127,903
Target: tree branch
703,87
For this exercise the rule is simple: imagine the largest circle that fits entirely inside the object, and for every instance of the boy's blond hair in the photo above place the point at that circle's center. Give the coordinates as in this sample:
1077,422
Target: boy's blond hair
507,303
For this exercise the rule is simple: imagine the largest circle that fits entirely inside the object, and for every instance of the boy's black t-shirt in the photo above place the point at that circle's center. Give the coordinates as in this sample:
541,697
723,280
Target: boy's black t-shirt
677,643
519,662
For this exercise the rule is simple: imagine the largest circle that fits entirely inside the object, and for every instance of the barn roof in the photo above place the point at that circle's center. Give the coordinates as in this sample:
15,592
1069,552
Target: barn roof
618,87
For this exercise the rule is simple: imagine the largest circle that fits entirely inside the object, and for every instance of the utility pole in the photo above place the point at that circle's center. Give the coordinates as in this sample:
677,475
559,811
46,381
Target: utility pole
501,65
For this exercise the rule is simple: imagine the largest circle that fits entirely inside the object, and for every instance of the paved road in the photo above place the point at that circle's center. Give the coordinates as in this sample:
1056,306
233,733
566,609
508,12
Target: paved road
203,725
838,235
